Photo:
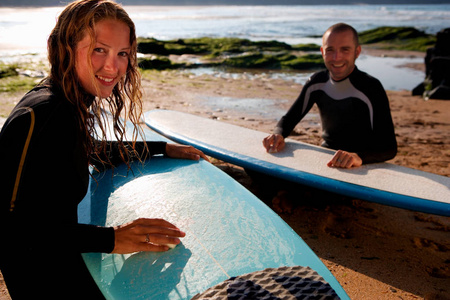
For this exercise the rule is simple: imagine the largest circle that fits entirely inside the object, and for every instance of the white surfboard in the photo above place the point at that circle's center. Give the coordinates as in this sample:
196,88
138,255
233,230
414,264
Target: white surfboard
2,121
383,183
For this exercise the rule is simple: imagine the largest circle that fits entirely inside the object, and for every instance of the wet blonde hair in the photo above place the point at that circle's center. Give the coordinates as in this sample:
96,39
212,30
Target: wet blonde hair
125,102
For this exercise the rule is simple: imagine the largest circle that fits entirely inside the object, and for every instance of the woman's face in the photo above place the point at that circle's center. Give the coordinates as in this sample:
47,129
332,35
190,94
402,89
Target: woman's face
109,57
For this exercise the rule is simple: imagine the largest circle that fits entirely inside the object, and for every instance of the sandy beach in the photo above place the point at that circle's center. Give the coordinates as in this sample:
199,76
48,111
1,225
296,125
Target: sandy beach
375,251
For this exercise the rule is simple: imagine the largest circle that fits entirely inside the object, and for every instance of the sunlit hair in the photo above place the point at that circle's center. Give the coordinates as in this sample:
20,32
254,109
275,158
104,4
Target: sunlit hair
125,103
342,27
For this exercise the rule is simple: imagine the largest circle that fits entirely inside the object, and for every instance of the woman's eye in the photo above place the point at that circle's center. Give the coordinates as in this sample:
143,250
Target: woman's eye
99,50
124,54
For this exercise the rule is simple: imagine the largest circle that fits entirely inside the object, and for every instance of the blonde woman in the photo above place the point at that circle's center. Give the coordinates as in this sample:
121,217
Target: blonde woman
46,148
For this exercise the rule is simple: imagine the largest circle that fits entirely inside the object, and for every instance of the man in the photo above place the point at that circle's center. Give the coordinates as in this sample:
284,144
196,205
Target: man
354,108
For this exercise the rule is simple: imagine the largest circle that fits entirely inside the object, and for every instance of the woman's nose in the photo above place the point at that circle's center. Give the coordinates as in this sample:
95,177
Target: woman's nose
111,63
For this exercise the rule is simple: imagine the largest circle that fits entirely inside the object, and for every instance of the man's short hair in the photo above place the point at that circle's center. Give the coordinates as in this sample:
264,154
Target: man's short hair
341,27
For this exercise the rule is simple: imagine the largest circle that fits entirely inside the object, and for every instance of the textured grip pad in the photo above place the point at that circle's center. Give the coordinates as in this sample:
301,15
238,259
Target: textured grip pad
281,283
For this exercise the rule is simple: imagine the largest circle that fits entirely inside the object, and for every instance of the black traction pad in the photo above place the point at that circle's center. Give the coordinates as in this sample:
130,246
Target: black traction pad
285,283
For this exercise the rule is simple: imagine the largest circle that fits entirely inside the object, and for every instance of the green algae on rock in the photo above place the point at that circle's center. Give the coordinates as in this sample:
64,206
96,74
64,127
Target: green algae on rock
397,38
243,53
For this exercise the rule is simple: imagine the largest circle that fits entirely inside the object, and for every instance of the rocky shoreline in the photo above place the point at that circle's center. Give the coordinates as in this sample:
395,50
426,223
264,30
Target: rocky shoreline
243,53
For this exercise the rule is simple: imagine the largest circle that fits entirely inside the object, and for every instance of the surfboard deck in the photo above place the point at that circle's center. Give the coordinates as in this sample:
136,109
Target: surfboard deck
229,232
303,163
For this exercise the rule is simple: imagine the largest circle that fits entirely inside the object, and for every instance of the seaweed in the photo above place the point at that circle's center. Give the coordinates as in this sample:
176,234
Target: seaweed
256,60
17,83
305,62
8,70
243,53
397,38
228,52
158,63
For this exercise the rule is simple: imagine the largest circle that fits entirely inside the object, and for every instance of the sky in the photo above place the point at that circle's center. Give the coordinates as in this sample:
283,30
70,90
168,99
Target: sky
224,2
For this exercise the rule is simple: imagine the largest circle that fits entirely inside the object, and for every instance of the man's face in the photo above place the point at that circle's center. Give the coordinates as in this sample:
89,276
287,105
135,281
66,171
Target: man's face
339,53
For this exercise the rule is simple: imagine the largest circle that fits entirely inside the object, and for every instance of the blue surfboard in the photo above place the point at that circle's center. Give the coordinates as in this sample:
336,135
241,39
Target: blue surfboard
303,163
229,232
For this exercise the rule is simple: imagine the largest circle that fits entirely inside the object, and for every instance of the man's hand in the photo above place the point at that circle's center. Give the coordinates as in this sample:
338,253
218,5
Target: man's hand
274,143
344,159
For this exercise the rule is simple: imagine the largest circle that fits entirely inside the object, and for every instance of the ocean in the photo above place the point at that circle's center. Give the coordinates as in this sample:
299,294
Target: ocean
23,31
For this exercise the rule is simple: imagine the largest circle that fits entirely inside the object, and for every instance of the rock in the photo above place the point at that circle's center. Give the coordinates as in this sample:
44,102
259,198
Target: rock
437,69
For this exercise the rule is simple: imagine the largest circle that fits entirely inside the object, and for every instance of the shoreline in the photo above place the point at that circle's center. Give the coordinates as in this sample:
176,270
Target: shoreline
375,251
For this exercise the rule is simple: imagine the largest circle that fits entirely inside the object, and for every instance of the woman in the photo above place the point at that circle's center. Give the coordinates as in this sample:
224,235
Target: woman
46,149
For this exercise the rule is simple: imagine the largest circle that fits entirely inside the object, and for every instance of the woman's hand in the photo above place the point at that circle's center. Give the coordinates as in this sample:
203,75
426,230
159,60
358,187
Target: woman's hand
185,152
146,235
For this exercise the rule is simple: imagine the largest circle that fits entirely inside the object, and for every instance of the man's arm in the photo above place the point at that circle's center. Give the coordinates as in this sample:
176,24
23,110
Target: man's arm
383,145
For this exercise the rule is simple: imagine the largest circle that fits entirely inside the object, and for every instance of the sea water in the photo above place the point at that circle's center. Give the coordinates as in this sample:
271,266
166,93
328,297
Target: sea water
25,30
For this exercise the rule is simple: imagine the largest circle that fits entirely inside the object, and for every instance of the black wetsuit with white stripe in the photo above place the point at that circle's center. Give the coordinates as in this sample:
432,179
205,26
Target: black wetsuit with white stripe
355,115
44,175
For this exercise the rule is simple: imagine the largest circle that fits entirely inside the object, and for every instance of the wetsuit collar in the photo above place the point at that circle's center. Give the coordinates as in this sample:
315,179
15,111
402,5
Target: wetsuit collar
349,75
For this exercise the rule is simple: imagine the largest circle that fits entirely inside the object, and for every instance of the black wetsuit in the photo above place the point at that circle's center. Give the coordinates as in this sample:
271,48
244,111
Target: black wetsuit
355,115
44,175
